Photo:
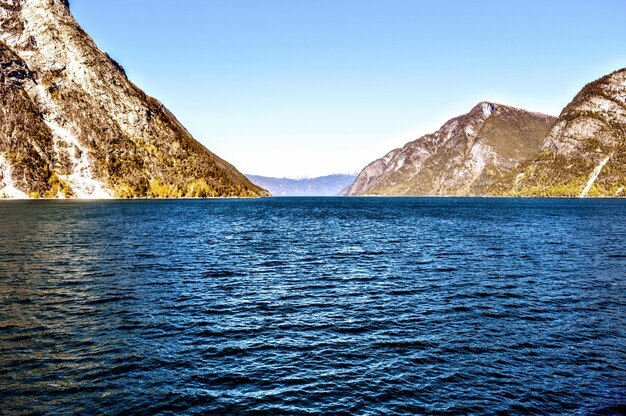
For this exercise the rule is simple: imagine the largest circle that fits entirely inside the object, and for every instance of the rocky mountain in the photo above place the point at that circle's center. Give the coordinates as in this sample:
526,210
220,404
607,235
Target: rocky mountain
584,153
73,125
330,185
468,155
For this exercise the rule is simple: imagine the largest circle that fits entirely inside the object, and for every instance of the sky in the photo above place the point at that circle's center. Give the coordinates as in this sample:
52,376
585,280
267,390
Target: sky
295,88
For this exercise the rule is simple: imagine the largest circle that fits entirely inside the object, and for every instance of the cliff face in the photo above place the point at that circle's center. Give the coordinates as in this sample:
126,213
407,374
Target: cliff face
73,125
585,151
25,141
467,156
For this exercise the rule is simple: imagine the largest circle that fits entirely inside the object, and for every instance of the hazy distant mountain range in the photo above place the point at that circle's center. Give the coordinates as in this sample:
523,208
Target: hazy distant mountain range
499,150
330,185
73,125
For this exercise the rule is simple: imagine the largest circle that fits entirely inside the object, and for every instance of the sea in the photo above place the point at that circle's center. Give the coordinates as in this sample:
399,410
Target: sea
306,306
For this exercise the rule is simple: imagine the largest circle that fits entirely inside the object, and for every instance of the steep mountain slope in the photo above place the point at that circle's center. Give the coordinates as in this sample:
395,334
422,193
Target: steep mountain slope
330,185
73,125
585,151
467,156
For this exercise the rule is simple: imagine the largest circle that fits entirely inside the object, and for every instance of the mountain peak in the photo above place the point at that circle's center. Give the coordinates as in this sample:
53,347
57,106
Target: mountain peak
73,125
463,157
485,108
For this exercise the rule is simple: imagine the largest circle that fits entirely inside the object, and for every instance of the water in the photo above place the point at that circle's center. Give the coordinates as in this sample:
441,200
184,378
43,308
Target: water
320,305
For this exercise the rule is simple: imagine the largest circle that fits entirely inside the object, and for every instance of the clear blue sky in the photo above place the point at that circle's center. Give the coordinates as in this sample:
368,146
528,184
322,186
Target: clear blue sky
303,88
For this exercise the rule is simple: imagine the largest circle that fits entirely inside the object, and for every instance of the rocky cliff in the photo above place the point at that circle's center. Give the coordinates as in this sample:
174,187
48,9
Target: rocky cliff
584,153
466,156
73,125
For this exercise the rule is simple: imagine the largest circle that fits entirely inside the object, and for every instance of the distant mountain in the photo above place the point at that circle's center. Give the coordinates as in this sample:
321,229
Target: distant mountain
584,153
73,125
323,186
466,156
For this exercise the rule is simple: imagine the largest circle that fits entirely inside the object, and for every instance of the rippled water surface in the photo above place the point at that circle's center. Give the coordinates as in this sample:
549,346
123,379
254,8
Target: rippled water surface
319,305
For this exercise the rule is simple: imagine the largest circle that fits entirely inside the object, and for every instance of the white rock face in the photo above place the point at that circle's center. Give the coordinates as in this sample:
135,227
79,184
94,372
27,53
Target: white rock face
7,185
373,174
81,179
68,147
596,113
49,25
480,155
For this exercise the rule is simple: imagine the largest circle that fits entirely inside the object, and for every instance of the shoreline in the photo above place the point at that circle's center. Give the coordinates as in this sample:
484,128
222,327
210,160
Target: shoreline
305,196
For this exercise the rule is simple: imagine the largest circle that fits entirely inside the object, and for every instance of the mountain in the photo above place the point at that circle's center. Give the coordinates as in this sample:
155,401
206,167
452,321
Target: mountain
466,156
584,154
323,186
73,125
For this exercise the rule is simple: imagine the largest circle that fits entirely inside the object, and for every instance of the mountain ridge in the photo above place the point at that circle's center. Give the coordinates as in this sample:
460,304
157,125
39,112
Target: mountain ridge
91,133
584,153
328,185
463,157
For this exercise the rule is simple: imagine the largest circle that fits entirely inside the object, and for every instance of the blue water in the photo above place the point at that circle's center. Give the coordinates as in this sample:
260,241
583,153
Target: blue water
314,305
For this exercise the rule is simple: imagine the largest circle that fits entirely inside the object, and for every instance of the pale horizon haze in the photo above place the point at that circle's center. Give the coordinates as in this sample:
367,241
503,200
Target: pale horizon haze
305,89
